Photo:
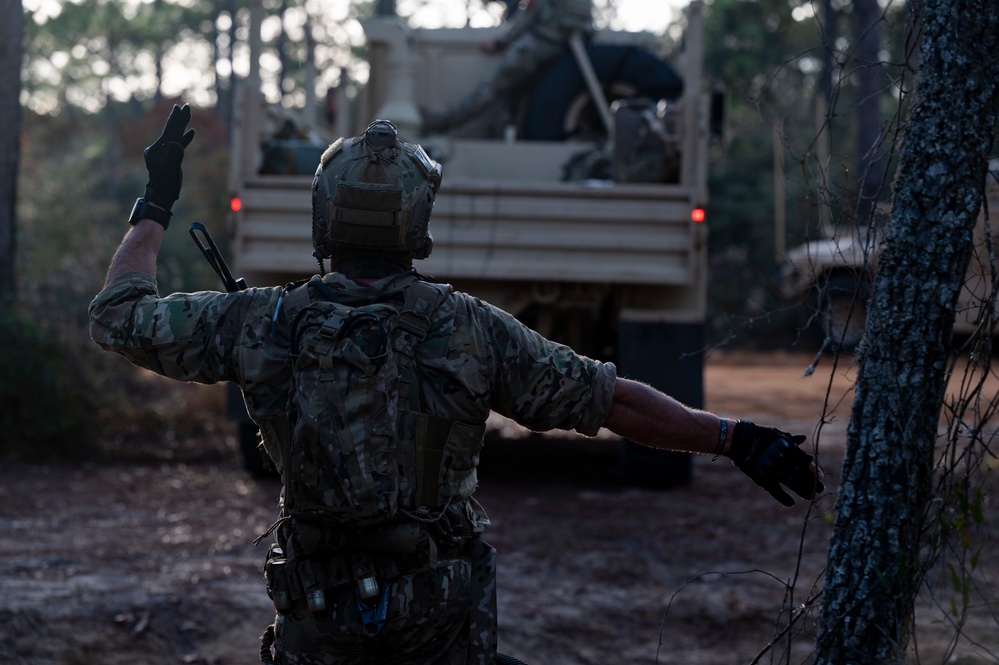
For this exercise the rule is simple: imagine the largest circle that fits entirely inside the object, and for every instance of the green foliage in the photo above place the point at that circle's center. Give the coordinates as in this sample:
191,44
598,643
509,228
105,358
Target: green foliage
763,58
761,51
79,176
768,56
45,411
83,54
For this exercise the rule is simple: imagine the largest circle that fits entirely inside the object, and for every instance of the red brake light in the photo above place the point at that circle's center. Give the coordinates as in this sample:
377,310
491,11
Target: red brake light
236,204
697,215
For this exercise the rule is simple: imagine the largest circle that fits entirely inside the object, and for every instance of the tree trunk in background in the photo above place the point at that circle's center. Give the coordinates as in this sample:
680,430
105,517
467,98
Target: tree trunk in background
158,55
227,100
217,55
870,86
827,86
11,54
874,570
309,115
282,52
385,8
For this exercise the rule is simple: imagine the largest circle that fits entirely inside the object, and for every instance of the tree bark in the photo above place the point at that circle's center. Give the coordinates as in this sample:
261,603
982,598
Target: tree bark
11,55
875,569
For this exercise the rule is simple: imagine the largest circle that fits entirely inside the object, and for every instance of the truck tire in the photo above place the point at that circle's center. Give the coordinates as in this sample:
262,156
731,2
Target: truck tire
842,312
559,107
670,357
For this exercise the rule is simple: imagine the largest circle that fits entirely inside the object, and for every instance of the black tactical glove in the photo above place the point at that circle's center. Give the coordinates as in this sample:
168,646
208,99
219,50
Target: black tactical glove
772,458
163,159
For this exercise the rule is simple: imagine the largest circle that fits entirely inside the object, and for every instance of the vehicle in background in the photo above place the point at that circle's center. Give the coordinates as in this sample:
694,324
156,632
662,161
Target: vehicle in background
583,216
833,276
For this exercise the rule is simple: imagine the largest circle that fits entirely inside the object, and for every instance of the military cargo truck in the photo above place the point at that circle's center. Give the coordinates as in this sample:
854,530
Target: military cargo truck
583,215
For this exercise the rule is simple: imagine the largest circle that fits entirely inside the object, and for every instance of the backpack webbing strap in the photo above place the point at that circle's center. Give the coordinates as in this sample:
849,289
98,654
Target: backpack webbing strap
294,298
432,433
422,300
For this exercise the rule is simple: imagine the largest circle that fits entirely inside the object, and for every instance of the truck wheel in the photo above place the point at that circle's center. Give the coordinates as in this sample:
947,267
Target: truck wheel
560,107
842,312
670,357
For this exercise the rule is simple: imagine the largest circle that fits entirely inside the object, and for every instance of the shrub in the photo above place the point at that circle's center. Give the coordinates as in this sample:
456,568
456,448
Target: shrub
46,402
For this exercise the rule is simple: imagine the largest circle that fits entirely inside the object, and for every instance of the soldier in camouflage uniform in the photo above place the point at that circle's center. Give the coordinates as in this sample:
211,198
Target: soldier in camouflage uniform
536,37
428,565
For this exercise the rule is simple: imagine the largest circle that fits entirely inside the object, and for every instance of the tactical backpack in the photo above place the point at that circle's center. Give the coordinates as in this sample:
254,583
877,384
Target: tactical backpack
356,454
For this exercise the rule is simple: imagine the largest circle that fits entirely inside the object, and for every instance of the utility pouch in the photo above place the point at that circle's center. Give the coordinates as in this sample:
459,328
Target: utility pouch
277,575
317,576
365,577
314,538
314,583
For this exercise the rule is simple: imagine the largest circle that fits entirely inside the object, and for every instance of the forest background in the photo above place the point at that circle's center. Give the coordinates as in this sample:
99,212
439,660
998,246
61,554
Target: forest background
817,98
98,78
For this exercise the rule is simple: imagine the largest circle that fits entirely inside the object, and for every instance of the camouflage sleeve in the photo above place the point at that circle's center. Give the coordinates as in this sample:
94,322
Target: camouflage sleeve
544,385
184,336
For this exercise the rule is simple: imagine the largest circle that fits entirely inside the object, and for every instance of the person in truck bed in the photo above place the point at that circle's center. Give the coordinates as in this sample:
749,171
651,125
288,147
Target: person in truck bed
371,386
536,36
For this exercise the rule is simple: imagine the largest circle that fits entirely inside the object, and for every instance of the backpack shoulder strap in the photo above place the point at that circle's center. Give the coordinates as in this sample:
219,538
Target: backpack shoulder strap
422,300
294,298
432,433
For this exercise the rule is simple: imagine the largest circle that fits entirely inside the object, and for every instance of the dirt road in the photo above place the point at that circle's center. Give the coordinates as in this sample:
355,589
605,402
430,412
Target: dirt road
150,563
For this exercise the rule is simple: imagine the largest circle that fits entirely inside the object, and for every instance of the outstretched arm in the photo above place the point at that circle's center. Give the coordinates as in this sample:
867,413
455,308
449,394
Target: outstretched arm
645,415
770,457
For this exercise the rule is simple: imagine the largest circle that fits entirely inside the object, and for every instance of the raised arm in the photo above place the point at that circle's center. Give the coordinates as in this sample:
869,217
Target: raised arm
151,214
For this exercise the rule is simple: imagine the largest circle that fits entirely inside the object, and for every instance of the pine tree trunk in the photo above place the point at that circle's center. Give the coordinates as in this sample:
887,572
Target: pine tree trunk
874,568
11,54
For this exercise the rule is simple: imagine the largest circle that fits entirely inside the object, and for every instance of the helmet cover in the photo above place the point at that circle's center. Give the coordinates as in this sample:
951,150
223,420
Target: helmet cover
374,192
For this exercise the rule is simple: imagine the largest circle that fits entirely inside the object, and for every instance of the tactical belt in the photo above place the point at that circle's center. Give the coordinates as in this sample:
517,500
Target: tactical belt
315,538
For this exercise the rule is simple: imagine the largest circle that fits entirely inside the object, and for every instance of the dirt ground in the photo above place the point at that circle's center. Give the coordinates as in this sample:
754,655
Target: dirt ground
152,561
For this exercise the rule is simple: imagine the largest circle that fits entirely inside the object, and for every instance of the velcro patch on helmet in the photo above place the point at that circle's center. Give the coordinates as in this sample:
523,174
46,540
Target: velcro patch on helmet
368,196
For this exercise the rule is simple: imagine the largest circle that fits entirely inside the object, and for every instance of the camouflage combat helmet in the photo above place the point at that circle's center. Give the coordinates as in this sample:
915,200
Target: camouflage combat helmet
374,193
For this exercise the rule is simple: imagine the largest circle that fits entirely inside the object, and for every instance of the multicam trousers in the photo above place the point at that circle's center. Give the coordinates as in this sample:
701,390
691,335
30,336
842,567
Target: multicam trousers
444,616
